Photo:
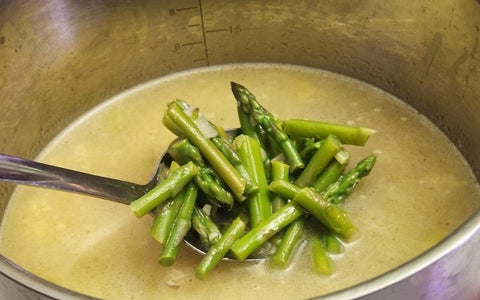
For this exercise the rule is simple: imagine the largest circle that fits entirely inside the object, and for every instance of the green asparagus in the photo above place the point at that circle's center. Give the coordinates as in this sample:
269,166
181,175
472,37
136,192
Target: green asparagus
330,146
259,234
221,142
293,235
290,173
332,244
344,186
205,227
330,175
224,145
218,250
166,189
206,179
164,219
269,124
259,204
218,161
280,171
347,134
321,259
182,151
328,214
180,227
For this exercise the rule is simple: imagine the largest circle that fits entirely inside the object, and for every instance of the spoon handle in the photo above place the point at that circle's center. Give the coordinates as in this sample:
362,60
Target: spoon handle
21,171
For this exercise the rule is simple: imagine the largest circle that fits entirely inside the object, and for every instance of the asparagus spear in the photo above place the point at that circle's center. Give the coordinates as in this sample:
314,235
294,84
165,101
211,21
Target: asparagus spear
165,214
181,226
328,214
166,189
293,235
344,186
280,171
247,127
331,174
254,132
206,228
321,259
212,154
218,250
347,134
329,148
206,179
308,146
259,234
311,145
269,123
284,251
259,203
328,176
228,150
182,151
223,144
164,219
332,244
207,182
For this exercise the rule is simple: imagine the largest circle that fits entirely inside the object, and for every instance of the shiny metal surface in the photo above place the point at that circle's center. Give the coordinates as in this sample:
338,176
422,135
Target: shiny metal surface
58,59
28,172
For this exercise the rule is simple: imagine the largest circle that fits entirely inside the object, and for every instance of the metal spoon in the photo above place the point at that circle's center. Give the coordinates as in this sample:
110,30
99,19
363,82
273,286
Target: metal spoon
27,172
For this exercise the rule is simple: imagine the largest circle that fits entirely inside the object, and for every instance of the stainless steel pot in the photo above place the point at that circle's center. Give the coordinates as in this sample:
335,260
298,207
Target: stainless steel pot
59,58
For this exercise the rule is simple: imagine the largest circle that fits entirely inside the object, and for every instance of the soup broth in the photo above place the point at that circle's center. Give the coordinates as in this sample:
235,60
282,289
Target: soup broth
420,190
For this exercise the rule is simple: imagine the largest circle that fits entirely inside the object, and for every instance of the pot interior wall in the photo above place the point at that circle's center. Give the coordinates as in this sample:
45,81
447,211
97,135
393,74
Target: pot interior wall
59,59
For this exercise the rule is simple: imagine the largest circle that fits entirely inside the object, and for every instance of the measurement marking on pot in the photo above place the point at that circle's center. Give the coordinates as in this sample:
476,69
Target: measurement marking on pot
216,30
232,29
192,30
192,43
202,21
186,8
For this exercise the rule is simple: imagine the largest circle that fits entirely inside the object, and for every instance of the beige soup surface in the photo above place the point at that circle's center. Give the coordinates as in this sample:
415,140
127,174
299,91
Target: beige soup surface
419,191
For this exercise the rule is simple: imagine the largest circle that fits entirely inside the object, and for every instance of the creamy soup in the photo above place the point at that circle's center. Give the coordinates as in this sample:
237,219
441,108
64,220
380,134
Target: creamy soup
419,191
